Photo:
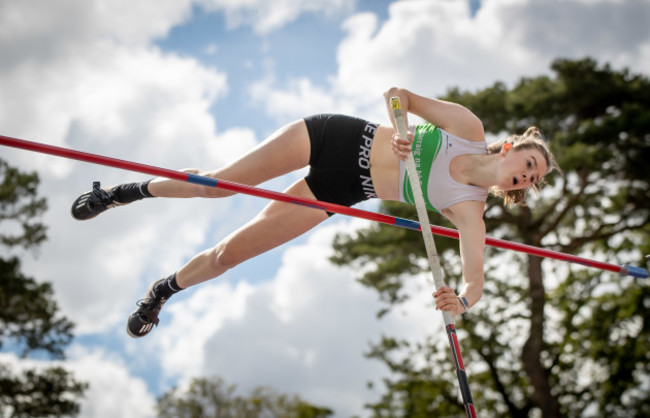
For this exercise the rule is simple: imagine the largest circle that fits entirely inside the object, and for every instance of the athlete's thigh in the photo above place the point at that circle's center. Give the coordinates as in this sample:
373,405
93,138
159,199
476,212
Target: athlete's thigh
278,223
286,150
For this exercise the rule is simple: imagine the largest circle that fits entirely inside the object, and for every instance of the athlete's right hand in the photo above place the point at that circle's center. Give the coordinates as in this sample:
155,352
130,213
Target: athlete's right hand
401,147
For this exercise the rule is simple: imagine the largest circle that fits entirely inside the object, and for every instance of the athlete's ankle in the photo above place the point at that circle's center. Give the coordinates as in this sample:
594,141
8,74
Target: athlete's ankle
168,287
130,192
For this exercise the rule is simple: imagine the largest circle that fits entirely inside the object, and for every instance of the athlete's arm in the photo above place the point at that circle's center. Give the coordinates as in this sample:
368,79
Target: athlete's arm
468,219
451,117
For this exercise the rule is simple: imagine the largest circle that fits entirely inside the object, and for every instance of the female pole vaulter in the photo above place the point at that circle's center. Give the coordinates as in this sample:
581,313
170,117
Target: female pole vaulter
351,160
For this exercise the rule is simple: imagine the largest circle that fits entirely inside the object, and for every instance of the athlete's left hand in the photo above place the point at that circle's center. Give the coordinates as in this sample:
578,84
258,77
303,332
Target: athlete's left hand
446,300
400,146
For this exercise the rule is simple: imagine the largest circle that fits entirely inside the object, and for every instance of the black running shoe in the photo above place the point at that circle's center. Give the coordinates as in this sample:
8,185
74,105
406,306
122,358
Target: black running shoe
143,319
92,203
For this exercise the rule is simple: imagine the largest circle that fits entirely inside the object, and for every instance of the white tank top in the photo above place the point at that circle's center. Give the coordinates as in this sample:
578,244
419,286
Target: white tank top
433,150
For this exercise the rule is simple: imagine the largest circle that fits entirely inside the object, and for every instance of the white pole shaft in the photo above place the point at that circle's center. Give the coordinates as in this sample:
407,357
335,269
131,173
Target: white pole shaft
420,206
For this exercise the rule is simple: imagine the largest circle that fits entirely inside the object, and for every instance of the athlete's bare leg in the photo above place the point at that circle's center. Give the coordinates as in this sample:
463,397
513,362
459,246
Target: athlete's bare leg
286,150
278,223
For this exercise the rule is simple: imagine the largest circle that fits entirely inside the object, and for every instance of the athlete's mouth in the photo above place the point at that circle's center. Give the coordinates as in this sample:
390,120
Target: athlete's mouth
514,181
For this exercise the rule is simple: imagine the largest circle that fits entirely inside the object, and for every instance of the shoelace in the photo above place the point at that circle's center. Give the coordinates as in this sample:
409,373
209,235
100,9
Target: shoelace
151,308
150,303
103,196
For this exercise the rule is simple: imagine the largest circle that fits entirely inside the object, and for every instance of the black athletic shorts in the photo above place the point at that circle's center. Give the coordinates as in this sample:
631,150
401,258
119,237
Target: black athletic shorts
340,159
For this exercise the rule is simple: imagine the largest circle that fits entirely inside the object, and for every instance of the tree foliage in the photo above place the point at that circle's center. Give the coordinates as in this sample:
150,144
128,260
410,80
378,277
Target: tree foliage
213,397
39,393
29,317
28,314
20,205
547,337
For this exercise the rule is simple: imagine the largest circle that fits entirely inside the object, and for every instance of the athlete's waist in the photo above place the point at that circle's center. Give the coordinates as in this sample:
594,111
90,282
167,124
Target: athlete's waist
384,164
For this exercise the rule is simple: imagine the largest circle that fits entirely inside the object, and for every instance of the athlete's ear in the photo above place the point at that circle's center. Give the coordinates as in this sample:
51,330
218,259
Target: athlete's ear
505,148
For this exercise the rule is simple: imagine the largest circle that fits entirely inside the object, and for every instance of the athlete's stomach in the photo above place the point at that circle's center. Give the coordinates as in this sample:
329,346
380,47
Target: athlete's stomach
384,164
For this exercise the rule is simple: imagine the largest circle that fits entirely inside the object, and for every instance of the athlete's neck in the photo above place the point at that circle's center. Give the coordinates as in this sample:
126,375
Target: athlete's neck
477,170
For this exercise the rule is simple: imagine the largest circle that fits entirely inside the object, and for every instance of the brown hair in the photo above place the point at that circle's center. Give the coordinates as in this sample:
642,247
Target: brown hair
531,139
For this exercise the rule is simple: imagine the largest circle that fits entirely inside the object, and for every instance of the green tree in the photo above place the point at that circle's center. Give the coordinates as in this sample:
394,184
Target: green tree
213,397
557,339
29,318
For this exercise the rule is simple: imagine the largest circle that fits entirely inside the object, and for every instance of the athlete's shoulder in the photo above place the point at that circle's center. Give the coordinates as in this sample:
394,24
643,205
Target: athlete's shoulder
471,130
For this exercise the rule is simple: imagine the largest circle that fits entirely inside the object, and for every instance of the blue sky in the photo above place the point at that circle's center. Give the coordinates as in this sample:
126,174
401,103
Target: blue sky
306,46
196,83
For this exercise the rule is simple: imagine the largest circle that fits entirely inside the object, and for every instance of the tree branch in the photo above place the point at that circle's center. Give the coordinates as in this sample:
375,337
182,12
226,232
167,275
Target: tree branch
570,205
578,242
500,387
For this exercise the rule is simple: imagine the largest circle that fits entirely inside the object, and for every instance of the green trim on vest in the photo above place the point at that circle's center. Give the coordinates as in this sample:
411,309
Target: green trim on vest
427,141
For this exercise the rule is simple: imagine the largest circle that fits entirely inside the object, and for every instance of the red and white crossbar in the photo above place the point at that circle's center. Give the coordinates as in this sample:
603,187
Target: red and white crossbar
331,207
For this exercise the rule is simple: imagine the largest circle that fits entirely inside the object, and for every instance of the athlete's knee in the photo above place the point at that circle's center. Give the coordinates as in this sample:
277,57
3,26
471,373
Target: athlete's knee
224,257
191,170
206,191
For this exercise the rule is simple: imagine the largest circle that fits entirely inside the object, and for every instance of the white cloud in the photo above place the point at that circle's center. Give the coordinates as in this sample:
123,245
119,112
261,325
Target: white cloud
608,30
47,31
265,16
94,66
113,391
299,99
229,145
182,339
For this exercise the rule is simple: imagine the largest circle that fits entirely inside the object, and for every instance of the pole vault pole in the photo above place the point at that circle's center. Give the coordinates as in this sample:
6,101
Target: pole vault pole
434,261
331,207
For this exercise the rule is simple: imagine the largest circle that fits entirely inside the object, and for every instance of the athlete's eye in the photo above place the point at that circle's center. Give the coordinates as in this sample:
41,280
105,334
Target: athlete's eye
528,164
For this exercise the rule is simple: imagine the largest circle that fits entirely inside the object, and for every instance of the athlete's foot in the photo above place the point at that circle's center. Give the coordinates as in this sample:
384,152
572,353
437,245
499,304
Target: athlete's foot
143,319
94,202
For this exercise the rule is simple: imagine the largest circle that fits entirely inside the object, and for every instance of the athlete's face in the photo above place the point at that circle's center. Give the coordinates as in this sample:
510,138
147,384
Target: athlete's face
519,169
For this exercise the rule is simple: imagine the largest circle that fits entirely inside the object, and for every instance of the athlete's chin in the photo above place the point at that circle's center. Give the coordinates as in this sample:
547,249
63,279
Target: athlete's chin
511,187
507,184
506,187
